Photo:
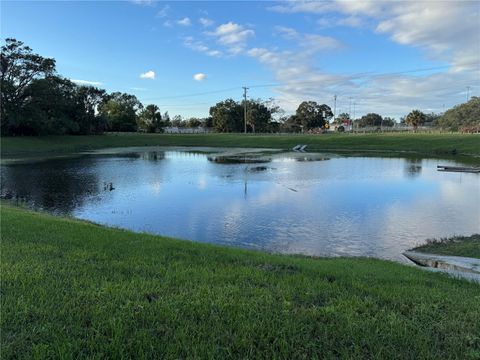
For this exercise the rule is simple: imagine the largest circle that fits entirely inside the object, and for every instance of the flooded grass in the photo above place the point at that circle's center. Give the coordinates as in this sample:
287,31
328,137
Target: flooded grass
463,147
467,246
75,289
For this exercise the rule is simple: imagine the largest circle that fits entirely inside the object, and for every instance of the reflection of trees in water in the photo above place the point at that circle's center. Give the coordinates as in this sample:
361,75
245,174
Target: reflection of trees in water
413,167
58,186
153,155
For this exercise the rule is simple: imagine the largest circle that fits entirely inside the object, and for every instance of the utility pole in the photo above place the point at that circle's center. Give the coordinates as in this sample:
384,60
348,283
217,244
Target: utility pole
245,108
354,103
334,107
468,93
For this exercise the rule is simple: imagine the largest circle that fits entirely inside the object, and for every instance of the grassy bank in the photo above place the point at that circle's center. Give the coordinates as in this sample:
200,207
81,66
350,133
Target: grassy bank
414,144
76,290
468,246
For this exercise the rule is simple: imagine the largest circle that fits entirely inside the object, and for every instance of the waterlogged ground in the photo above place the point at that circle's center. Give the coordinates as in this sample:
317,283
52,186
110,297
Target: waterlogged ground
315,204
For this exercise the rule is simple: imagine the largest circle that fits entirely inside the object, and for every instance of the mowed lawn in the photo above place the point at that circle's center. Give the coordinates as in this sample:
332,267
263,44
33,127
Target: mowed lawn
75,290
439,145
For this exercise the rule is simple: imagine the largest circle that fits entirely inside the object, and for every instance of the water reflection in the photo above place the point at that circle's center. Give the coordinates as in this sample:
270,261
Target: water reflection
343,206
56,186
413,167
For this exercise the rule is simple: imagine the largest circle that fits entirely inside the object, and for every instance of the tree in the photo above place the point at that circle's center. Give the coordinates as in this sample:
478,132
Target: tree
342,118
371,119
177,121
19,67
292,124
166,119
227,116
89,99
258,116
194,123
120,111
150,120
466,115
415,118
388,122
51,107
311,115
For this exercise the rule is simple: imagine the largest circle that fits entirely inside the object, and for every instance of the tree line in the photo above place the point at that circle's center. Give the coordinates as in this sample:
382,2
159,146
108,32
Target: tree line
35,100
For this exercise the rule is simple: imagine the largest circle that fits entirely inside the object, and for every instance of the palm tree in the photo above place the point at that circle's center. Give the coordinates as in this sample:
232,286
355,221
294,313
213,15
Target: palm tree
415,118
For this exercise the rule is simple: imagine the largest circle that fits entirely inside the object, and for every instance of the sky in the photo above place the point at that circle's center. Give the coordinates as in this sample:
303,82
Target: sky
387,57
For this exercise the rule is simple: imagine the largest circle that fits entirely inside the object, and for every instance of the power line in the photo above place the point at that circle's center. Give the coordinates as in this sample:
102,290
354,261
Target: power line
357,76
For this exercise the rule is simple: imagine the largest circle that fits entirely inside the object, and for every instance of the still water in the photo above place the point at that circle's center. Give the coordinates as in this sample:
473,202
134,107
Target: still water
314,204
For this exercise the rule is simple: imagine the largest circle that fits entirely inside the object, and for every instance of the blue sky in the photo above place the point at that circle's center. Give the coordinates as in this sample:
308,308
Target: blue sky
363,52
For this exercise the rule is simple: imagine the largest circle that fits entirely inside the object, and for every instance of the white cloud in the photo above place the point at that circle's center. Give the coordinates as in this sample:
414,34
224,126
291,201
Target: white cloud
184,22
167,23
214,53
199,77
286,32
205,22
447,31
163,12
148,75
232,34
143,2
333,21
86,82
199,46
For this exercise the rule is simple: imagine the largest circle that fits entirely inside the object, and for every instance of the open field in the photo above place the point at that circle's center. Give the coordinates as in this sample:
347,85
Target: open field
72,289
434,145
468,246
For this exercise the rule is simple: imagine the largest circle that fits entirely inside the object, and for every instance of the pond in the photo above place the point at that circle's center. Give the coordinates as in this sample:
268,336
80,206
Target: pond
313,204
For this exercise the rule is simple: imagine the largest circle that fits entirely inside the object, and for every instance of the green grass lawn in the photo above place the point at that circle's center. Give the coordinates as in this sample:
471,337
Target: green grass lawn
442,145
468,246
71,289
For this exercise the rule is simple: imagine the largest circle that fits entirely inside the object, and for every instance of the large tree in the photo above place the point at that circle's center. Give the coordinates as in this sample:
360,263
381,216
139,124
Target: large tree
371,119
258,115
465,115
120,111
19,67
312,115
150,119
52,108
227,116
415,118
89,99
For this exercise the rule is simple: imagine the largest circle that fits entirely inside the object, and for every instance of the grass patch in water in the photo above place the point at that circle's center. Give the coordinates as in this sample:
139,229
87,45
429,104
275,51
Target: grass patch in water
462,147
467,246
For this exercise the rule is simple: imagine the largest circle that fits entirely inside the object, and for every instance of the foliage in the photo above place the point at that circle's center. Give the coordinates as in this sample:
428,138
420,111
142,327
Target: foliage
415,118
35,101
341,118
341,128
388,122
259,116
463,115
120,111
227,116
311,115
194,123
19,68
150,119
72,289
370,120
